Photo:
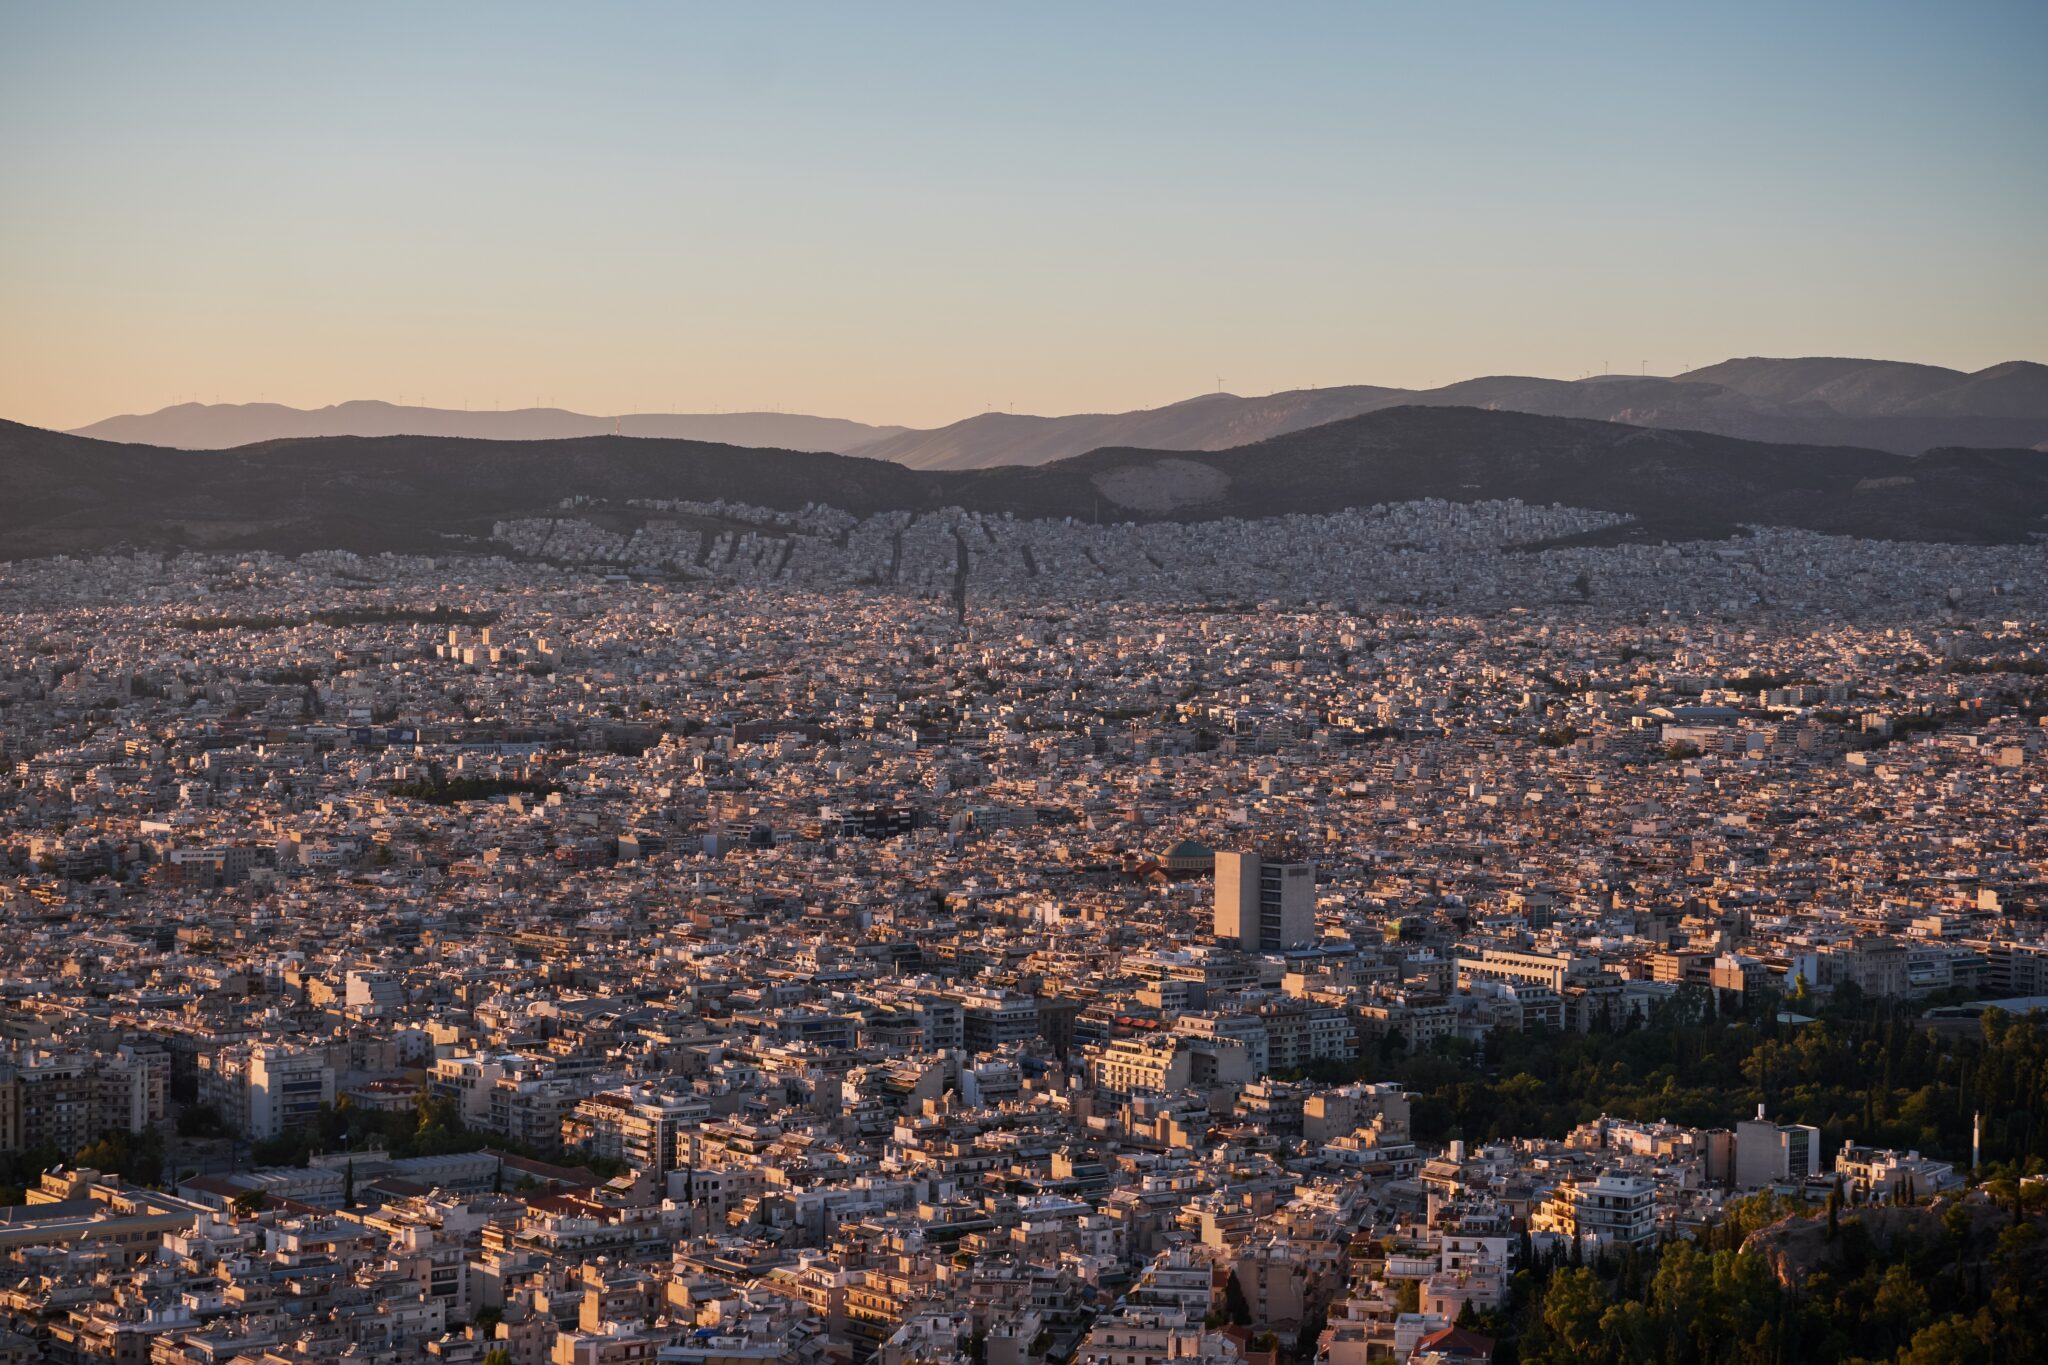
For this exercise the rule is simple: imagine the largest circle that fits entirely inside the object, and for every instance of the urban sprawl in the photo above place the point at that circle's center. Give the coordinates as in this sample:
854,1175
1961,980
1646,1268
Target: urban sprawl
695,933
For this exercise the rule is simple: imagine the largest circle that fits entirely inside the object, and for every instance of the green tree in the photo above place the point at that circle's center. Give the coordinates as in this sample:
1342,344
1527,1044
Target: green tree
1629,1332
1683,1300
1746,1299
199,1121
1236,1306
1901,1306
1953,1340
1572,1308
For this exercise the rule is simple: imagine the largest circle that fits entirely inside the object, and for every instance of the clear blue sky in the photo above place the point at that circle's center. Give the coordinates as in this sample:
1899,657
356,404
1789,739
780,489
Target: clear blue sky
912,212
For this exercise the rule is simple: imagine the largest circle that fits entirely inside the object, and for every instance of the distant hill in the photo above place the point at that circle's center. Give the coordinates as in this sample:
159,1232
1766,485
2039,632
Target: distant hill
69,494
2015,390
1849,388
221,426
414,493
1677,483
1880,404
1883,405
1212,421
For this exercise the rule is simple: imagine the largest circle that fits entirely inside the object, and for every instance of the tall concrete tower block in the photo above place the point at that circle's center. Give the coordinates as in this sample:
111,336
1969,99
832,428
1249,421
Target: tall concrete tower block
1265,904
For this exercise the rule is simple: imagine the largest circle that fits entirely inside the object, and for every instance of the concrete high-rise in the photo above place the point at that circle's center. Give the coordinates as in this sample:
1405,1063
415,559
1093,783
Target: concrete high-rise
1768,1153
1264,904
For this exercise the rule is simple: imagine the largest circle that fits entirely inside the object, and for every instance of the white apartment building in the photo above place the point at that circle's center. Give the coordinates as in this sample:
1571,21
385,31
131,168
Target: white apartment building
1610,1210
286,1090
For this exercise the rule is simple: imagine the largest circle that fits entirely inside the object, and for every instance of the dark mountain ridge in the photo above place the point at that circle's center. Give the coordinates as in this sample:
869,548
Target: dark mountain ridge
1883,405
71,494
1679,484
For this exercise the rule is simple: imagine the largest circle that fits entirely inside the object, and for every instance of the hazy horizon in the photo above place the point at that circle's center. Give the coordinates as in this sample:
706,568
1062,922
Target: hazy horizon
884,423
914,214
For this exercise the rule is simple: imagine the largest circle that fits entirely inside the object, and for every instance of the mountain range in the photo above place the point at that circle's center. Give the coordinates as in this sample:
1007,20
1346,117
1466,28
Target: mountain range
1881,404
1878,404
71,494
221,426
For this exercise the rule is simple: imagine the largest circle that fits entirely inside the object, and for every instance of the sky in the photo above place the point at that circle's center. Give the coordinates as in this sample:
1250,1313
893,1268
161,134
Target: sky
912,213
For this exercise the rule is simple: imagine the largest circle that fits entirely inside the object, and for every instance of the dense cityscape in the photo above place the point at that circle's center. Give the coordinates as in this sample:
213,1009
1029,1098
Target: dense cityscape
688,683
704,934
